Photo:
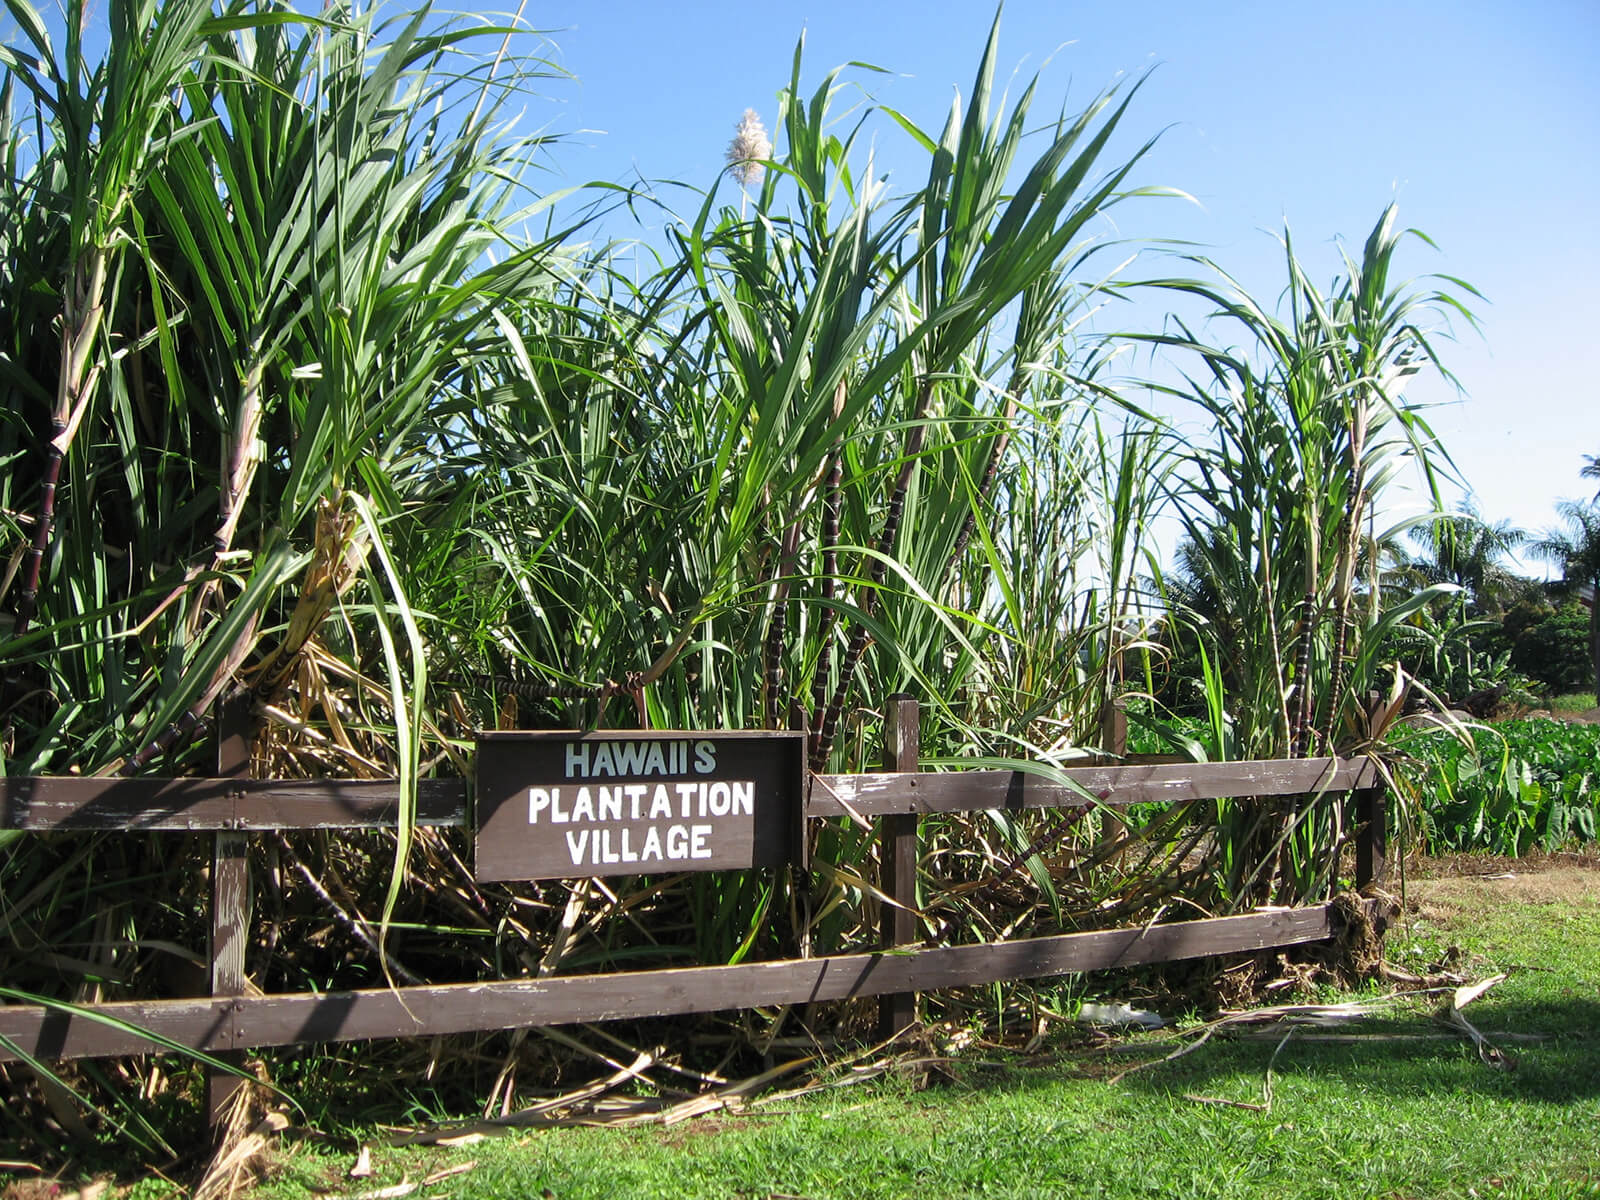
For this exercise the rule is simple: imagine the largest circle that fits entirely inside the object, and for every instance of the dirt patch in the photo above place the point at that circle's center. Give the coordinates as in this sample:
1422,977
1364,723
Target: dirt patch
1461,895
1569,716
1478,865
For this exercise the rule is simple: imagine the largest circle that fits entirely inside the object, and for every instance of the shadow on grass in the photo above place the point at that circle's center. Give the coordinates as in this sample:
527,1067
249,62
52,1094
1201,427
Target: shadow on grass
1399,1056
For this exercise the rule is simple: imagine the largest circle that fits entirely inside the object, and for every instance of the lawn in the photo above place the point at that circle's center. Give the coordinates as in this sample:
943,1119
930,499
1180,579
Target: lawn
1397,1111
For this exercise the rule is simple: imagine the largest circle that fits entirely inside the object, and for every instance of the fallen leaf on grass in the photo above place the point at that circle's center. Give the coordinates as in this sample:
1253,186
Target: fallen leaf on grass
392,1192
1488,1052
1224,1103
465,1139
1467,993
458,1169
363,1167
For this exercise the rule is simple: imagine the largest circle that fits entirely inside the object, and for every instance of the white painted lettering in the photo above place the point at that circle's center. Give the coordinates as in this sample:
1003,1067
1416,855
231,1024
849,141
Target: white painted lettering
744,799
652,845
700,835
630,757
577,839
655,762
538,801
705,757
578,760
661,805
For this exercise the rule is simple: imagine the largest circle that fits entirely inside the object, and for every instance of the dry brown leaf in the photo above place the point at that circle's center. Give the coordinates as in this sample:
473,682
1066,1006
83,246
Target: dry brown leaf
1467,993
222,1174
1221,1103
392,1192
447,1172
363,1165
465,1139
1488,1052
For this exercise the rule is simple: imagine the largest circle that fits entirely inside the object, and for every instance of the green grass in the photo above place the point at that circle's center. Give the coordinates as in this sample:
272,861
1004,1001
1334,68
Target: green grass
1572,702
1405,1118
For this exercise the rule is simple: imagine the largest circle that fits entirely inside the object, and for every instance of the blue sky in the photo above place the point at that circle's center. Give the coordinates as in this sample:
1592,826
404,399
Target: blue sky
1479,119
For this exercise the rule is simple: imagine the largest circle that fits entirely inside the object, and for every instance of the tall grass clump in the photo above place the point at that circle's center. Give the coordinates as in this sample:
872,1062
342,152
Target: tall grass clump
250,258
1280,583
825,453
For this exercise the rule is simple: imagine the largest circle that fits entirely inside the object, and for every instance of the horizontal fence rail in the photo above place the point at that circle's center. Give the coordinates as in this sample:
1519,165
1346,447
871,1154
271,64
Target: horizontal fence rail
49,805
240,1022
61,805
1114,787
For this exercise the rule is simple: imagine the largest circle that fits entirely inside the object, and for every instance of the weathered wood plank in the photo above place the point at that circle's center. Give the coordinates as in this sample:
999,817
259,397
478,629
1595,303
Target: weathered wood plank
465,1007
140,804
897,859
1117,786
230,904
1114,725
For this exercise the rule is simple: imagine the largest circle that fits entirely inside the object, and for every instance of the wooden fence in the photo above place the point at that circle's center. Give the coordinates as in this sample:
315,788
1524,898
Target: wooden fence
232,807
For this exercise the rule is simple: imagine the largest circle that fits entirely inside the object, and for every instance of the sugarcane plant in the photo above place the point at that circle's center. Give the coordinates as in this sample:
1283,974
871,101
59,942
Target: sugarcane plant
1282,552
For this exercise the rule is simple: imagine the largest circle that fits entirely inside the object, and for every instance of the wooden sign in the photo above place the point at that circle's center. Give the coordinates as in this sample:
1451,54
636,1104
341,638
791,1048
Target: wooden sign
565,805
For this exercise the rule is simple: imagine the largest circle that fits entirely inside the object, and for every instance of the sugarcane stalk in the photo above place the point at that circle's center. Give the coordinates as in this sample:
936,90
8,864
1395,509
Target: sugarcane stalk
1270,595
1302,717
832,503
877,569
1349,536
74,388
240,459
991,469
776,708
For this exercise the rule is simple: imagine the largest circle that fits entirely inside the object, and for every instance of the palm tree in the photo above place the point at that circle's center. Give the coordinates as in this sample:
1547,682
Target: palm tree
1591,469
1576,550
1462,548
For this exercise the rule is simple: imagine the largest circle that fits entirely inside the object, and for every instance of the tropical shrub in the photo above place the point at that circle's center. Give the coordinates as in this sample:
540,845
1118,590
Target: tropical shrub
1457,661
1554,649
1507,788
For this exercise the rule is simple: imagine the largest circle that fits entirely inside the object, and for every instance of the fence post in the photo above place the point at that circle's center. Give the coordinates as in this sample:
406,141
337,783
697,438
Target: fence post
1372,826
897,858
230,902
1114,727
1372,836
